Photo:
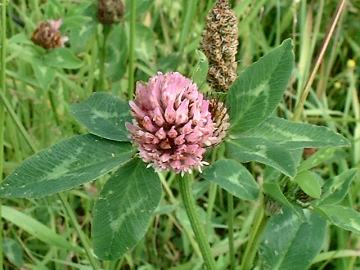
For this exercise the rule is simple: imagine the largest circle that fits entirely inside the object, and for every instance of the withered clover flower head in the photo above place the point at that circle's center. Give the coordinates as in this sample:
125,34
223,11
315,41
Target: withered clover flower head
172,123
219,43
48,35
110,11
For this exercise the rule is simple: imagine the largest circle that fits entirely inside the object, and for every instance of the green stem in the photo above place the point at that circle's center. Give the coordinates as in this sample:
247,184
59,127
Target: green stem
84,241
102,81
255,233
2,112
53,107
230,201
190,207
132,48
211,200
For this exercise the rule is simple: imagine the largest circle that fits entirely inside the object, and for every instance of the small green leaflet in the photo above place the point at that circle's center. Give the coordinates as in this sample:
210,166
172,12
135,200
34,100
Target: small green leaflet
258,90
65,165
309,183
104,115
124,209
233,177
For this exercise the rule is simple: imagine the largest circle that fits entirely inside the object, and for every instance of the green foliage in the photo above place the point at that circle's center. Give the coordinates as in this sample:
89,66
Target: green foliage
289,242
36,229
65,165
335,189
200,71
309,183
261,150
233,177
104,115
259,88
13,252
62,58
293,135
124,208
273,189
341,216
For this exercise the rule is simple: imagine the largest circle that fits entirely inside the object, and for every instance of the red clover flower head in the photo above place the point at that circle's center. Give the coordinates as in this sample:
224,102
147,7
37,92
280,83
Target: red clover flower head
173,124
48,35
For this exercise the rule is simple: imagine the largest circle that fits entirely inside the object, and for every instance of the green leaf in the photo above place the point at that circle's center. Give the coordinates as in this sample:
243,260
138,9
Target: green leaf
104,115
200,71
296,135
308,182
336,189
263,151
65,165
116,55
233,177
145,44
62,58
341,216
273,190
123,211
13,252
259,88
291,243
43,74
36,229
316,159
80,28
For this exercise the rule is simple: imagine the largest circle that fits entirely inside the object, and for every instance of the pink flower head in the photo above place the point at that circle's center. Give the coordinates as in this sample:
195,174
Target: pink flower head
48,35
172,124
55,27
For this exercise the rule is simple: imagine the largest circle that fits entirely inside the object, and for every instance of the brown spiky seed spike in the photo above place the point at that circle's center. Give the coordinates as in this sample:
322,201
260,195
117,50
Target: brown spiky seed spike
110,11
220,119
219,43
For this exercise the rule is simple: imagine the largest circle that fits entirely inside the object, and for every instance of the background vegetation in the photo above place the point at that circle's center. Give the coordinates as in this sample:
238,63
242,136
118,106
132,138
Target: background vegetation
40,86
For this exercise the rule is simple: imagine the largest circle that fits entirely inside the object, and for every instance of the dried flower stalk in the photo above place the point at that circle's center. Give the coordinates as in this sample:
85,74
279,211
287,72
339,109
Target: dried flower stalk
219,43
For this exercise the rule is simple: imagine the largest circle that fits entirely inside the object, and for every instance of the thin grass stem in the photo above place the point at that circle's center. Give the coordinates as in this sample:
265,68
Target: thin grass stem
303,96
2,113
132,58
230,202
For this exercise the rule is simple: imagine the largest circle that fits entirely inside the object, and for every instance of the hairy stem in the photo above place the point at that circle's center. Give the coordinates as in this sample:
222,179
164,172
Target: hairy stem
102,80
190,207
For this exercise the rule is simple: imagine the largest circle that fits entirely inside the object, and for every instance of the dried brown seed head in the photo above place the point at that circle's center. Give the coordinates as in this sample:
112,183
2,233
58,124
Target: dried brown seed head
219,43
48,36
110,11
220,118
